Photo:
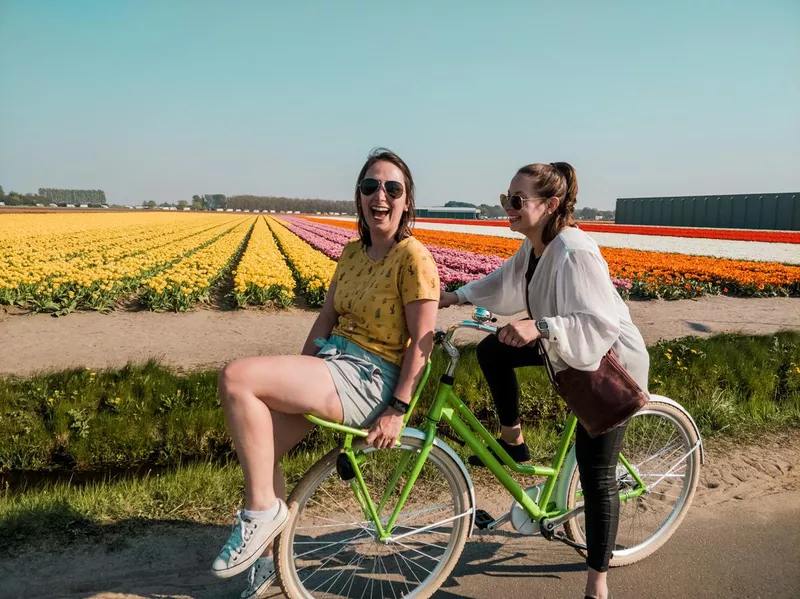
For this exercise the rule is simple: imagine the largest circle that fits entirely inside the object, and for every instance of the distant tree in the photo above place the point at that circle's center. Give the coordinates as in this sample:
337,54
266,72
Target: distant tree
215,200
492,211
453,204
73,196
280,204
182,204
1,191
150,203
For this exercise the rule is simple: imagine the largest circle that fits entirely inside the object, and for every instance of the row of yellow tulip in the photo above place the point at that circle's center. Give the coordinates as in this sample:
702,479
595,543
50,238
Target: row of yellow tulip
190,279
92,280
262,276
313,269
46,261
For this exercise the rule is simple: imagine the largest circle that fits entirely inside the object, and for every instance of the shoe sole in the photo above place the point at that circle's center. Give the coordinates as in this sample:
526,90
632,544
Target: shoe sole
244,565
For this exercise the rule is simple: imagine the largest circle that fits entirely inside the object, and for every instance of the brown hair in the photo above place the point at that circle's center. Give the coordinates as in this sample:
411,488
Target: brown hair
407,220
557,179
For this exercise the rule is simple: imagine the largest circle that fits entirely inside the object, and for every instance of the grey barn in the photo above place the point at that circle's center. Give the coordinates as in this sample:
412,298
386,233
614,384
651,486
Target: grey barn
774,211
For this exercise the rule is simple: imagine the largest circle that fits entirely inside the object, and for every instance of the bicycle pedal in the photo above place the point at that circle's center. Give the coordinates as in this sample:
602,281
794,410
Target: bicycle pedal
483,519
560,536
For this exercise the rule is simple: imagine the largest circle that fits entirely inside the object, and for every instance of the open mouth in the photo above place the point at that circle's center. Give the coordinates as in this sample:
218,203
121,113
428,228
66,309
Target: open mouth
513,219
379,213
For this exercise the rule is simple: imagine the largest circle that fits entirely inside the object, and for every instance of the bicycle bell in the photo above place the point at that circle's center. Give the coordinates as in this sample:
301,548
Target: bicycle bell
481,315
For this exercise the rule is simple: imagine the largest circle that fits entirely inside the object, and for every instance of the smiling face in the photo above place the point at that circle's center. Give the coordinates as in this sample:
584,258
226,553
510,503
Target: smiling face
382,212
536,210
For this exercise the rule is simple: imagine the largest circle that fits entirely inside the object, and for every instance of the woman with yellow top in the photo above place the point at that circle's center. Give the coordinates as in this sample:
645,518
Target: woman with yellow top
360,365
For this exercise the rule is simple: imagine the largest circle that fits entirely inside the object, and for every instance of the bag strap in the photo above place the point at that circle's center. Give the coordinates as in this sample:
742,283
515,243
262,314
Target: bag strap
533,262
548,366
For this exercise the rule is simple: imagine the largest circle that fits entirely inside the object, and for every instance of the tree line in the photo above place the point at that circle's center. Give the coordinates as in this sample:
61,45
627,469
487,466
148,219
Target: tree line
60,197
218,201
73,196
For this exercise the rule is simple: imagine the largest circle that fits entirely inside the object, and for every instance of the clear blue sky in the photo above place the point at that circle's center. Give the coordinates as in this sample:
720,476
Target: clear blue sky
164,99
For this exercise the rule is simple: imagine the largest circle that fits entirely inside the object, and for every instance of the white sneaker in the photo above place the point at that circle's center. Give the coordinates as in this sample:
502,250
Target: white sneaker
248,541
260,576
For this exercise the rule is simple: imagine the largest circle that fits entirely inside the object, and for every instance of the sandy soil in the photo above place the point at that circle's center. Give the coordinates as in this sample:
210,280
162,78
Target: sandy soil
210,338
739,482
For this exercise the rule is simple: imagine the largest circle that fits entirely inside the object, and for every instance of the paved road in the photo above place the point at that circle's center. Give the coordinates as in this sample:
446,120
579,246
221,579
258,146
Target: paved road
738,549
742,549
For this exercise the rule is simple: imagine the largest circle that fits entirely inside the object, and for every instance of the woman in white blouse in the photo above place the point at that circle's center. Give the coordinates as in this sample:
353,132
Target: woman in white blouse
560,278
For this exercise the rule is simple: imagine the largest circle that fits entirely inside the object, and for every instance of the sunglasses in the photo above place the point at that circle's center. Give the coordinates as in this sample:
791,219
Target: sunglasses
515,202
394,189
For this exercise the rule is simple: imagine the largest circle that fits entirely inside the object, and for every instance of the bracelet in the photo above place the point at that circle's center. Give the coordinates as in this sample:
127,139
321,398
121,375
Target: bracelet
398,405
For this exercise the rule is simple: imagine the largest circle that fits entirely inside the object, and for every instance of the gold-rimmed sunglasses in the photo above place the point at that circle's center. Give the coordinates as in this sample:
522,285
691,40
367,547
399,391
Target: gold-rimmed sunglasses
515,202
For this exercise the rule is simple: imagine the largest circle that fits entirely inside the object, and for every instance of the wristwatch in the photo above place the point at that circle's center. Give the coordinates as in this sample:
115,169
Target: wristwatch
544,330
398,405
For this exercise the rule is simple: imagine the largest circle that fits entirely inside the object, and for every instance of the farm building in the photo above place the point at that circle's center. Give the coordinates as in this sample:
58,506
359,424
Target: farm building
447,212
775,211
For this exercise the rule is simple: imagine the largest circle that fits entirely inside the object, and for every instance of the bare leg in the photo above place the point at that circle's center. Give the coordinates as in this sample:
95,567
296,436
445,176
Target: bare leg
250,390
596,585
512,434
289,429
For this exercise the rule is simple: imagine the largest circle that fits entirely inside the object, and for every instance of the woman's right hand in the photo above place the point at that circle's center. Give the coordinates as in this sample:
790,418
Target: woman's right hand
447,299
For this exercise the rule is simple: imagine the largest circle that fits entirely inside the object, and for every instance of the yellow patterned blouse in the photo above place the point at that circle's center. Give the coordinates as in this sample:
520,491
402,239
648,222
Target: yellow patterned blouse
371,295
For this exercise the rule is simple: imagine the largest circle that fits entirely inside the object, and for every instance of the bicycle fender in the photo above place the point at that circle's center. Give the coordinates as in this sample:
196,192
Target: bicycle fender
562,483
418,434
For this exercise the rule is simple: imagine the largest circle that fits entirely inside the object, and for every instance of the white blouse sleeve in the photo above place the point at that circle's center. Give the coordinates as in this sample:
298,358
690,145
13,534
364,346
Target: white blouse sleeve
587,324
502,291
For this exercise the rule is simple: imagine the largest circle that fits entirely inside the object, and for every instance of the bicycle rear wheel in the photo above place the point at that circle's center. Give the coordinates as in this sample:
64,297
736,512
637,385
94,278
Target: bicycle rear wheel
330,548
662,445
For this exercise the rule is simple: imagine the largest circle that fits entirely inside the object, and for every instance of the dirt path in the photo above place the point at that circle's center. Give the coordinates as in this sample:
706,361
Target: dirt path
210,338
742,532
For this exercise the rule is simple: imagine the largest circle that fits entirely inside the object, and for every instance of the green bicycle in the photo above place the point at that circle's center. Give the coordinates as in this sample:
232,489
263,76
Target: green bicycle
393,522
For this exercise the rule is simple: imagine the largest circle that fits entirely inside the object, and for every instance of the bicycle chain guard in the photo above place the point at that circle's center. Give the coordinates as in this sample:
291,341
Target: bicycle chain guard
520,519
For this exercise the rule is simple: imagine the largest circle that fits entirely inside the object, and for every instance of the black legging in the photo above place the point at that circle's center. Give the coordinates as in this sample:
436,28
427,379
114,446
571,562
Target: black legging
597,458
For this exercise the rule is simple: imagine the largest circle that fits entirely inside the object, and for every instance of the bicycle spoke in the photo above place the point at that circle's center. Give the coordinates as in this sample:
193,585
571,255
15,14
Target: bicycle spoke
332,542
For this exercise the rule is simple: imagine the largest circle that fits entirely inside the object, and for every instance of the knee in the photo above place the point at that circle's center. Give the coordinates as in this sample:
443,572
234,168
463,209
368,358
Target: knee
486,351
230,377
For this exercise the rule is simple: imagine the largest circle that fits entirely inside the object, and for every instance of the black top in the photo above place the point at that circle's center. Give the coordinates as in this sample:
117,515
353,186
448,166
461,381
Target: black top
532,264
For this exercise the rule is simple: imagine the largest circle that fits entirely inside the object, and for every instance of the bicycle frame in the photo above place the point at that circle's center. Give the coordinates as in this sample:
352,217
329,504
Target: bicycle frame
448,407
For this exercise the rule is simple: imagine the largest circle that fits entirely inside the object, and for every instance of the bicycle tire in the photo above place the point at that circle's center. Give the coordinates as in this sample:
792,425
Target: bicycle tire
649,545
324,469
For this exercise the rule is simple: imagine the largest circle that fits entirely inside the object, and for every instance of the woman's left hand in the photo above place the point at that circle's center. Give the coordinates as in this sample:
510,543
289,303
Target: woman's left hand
519,333
386,430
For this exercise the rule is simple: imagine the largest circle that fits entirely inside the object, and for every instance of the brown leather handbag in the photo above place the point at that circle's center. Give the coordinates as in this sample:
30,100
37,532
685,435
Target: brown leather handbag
602,399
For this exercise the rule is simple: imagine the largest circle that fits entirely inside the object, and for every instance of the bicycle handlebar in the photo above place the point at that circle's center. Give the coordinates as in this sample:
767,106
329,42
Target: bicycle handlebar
479,317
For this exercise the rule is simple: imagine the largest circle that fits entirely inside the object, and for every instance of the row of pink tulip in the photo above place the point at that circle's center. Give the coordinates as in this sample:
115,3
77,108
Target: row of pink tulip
456,267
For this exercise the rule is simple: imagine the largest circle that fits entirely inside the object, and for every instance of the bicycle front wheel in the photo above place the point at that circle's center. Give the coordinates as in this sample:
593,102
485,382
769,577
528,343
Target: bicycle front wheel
331,548
661,444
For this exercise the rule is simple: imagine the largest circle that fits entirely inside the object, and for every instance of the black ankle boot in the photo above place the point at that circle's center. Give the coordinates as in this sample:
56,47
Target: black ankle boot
519,453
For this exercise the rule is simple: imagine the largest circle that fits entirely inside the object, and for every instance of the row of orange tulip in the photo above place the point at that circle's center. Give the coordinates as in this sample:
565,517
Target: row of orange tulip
652,274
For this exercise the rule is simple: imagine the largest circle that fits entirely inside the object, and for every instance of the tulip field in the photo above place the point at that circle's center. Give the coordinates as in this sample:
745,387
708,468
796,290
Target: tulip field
59,263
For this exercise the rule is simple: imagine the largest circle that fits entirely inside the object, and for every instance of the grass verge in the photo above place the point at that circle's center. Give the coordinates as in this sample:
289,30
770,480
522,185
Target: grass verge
733,385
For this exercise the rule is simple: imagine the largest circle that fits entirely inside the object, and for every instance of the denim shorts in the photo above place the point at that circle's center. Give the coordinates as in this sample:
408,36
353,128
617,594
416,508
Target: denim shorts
364,381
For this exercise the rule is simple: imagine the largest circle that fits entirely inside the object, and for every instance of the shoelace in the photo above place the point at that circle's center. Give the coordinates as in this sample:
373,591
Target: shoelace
251,574
236,542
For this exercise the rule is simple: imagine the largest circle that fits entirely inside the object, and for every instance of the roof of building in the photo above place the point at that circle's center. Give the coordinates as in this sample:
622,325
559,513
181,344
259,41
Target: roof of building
448,209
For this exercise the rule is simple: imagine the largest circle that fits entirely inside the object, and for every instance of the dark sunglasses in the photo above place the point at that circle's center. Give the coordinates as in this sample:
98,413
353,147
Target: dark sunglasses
394,189
515,202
